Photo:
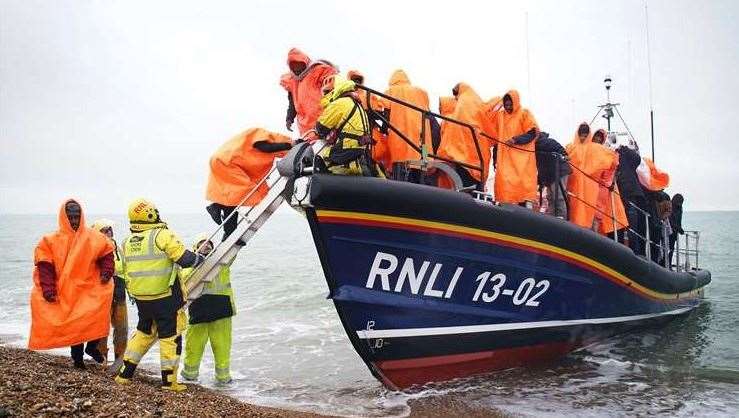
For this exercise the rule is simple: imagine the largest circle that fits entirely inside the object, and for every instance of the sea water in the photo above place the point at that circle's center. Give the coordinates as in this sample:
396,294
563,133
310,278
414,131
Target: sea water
290,351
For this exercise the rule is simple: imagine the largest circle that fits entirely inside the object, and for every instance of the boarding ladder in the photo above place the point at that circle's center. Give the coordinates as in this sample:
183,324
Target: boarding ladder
278,180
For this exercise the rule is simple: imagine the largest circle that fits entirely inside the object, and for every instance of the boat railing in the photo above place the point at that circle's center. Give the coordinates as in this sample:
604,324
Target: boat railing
650,243
422,147
686,256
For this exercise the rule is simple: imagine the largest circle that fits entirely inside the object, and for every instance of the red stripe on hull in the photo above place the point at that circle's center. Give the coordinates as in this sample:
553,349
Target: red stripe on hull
401,374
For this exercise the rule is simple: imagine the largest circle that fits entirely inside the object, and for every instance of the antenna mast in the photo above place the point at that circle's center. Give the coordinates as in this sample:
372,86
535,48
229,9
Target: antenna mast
649,65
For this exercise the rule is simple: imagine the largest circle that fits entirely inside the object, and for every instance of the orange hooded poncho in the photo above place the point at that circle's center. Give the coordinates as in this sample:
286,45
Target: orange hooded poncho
457,142
406,120
306,87
590,163
515,177
81,311
447,105
606,210
237,167
379,148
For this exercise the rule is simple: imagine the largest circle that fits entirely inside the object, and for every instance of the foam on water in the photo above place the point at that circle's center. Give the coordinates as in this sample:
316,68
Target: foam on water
290,351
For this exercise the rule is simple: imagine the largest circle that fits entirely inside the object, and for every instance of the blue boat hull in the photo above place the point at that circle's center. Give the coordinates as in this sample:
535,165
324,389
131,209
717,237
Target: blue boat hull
424,298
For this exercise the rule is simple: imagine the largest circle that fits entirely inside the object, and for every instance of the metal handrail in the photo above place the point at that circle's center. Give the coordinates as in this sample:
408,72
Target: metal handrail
425,114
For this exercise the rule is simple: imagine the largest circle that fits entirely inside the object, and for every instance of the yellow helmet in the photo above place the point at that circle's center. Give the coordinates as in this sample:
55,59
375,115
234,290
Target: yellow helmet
141,211
101,224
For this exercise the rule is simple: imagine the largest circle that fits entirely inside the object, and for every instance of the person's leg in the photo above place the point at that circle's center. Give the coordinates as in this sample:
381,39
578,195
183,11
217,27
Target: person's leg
141,341
214,210
77,353
231,222
136,348
119,320
196,337
91,349
170,348
561,201
220,343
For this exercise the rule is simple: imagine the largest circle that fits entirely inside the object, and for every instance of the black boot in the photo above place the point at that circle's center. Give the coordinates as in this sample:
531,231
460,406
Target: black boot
77,355
92,351
214,210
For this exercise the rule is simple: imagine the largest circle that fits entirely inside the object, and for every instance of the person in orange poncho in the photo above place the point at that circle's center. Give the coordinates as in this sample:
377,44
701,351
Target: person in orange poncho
72,291
515,130
458,143
446,106
404,119
609,201
379,148
303,84
235,170
589,161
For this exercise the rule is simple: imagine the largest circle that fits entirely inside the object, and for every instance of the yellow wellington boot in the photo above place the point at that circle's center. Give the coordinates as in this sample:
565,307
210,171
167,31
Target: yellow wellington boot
169,382
175,387
122,380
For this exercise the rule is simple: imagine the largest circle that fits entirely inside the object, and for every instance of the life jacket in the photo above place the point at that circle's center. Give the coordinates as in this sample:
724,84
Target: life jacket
339,133
149,271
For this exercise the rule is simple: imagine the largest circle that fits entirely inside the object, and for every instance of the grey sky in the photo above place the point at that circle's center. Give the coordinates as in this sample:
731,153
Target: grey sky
108,101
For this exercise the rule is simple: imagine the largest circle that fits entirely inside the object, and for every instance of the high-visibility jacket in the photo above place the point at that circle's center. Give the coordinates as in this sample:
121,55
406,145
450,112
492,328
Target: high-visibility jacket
118,260
149,270
217,300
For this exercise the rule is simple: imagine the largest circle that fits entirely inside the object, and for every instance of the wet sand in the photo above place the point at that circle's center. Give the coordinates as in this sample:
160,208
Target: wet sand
39,384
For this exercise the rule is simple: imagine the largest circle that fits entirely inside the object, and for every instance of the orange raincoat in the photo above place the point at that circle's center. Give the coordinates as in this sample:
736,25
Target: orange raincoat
447,105
606,210
306,87
406,120
81,311
515,177
457,142
237,167
590,161
379,148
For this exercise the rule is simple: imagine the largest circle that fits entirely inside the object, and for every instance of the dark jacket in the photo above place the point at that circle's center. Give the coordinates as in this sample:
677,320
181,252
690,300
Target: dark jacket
676,219
626,178
546,161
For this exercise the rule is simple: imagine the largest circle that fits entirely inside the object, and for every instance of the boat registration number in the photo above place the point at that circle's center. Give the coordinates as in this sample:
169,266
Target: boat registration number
390,274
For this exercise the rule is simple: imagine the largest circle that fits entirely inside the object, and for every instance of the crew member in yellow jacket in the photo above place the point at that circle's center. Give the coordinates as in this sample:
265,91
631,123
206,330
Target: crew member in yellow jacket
344,126
149,257
210,320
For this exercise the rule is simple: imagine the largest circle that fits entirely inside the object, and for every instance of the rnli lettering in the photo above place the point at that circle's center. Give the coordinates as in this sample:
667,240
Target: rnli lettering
410,275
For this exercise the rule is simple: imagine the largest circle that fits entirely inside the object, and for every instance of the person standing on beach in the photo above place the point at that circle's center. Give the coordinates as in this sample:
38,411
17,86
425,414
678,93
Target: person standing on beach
72,292
118,311
149,257
210,320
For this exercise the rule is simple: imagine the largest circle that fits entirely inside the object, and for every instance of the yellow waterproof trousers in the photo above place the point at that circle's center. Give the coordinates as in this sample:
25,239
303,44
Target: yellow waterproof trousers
219,334
170,348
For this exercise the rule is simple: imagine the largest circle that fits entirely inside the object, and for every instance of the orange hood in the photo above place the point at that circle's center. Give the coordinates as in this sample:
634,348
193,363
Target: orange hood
353,73
64,226
465,89
398,78
513,94
296,55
